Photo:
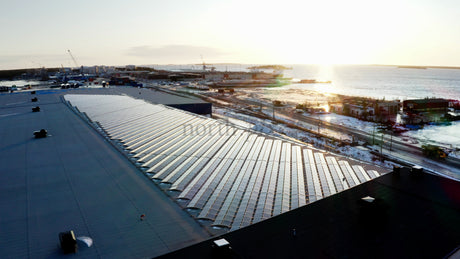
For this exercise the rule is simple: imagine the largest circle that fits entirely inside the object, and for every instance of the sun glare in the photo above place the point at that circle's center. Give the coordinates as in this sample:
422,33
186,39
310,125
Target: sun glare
340,35
325,107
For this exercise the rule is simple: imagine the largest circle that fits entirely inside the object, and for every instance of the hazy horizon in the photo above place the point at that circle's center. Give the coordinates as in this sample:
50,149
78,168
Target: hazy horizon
139,32
244,64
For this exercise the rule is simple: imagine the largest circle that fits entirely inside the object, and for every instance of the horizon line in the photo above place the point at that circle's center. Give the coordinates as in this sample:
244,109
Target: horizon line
251,64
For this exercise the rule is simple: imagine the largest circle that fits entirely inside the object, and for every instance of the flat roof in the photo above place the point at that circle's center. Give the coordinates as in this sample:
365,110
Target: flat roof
74,179
228,176
414,215
149,94
154,96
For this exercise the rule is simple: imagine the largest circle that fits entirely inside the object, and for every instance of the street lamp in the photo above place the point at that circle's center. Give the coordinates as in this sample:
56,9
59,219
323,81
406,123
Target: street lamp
373,135
391,140
319,123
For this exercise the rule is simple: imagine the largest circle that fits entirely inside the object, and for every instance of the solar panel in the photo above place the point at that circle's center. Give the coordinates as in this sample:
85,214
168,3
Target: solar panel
247,207
295,179
282,198
213,180
175,169
179,170
116,132
231,204
362,175
313,182
206,172
331,162
343,181
277,189
300,194
235,177
321,162
108,111
217,198
150,130
183,181
265,203
178,149
139,125
156,141
168,146
350,176
127,114
373,173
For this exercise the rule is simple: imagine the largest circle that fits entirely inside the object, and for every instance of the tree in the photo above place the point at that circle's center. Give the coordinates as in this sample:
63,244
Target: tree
346,109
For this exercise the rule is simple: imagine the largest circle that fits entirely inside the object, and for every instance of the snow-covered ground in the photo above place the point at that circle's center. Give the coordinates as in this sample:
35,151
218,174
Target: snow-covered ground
446,136
292,95
349,122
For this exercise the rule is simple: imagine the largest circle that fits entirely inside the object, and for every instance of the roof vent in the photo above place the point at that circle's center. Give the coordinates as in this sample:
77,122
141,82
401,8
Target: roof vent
32,92
416,172
416,169
221,249
40,134
68,242
221,243
372,210
34,99
36,109
368,199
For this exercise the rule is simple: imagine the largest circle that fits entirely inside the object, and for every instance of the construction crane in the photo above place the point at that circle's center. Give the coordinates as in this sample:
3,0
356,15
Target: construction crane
73,58
204,65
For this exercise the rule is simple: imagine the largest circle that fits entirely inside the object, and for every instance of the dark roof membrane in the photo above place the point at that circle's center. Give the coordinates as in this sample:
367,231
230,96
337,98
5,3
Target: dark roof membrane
414,215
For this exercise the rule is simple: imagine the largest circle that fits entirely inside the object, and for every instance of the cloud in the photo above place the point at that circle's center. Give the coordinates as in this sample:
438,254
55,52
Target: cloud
175,52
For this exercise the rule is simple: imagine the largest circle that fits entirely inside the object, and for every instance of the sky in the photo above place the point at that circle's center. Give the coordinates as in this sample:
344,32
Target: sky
142,32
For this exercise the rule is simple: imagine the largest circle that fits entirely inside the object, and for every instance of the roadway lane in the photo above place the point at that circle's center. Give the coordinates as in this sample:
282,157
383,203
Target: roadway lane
400,150
404,152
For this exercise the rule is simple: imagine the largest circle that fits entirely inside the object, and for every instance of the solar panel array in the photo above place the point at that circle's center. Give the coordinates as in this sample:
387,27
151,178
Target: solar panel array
233,176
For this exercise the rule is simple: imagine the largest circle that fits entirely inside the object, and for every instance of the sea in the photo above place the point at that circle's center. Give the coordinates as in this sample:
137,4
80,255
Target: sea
376,81
389,83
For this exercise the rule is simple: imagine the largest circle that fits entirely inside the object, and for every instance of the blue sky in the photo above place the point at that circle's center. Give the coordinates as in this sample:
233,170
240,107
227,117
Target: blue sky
39,33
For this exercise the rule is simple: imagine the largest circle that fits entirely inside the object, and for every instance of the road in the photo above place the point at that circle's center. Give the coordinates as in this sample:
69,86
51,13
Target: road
393,147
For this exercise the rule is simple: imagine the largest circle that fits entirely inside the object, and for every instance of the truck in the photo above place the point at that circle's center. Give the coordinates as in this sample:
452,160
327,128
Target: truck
434,151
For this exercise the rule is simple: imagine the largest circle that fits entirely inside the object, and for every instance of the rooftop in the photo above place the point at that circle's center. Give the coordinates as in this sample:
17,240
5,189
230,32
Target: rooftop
75,180
413,215
187,103
93,174
229,177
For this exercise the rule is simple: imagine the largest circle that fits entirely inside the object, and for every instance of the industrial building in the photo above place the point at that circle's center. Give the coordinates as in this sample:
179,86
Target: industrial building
403,214
233,177
426,105
142,178
74,179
